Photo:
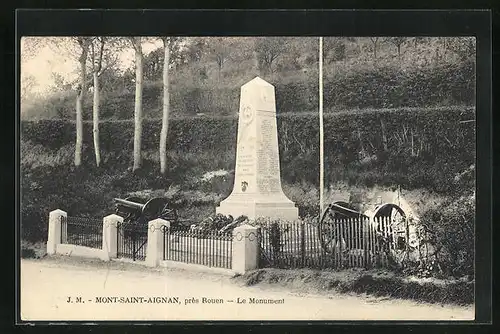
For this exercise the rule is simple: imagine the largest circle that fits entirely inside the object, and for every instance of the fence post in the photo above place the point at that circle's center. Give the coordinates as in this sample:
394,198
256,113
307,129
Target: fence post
245,249
302,243
54,235
366,242
156,241
110,235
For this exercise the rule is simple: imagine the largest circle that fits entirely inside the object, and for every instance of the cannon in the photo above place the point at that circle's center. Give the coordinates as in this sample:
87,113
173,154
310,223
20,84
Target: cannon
135,210
394,232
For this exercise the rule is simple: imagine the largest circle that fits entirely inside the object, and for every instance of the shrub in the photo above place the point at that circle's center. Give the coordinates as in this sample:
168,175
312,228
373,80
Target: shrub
217,223
449,228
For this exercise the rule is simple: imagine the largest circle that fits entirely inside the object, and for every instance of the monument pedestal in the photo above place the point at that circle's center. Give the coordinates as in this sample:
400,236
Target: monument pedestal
257,188
254,207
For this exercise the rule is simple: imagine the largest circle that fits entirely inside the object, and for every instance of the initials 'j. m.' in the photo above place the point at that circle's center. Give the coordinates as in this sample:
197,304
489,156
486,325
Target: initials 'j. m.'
76,300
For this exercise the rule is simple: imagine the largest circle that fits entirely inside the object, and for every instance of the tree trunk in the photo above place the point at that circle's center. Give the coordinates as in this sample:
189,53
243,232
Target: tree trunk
412,144
79,104
166,110
384,136
374,42
96,120
79,129
138,105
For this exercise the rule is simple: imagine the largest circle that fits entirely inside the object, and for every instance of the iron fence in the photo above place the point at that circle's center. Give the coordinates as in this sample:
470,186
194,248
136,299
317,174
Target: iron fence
211,249
82,231
347,243
132,239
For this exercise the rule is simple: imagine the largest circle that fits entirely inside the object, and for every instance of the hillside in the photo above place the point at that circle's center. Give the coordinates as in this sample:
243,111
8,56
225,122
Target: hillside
421,73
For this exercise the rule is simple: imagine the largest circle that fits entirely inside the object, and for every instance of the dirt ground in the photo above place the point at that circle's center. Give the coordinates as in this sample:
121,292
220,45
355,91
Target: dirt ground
47,284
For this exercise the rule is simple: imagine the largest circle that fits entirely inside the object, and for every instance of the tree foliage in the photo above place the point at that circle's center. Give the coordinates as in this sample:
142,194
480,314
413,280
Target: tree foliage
269,49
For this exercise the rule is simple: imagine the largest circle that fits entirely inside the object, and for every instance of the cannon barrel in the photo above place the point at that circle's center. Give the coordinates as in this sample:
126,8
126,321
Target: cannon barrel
136,210
348,212
129,204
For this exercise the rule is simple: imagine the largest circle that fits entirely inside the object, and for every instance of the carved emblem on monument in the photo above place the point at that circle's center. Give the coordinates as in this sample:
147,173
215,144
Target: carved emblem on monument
244,186
247,116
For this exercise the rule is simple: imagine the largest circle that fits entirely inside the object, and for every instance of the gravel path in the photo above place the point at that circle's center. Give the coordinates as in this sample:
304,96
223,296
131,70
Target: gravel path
46,285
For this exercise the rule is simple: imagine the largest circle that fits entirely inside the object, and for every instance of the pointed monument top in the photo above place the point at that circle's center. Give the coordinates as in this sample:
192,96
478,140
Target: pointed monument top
257,81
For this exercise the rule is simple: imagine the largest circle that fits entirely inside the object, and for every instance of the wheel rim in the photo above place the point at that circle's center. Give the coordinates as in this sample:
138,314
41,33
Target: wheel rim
327,231
400,235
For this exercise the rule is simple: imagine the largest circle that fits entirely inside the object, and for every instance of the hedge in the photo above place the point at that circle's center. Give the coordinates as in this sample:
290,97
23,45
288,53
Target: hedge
436,132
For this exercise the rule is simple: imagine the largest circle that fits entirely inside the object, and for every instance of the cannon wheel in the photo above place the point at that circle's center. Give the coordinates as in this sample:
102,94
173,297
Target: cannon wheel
327,233
398,229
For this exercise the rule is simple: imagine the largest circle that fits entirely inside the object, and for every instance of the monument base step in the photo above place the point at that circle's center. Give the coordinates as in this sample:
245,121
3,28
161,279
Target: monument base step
282,211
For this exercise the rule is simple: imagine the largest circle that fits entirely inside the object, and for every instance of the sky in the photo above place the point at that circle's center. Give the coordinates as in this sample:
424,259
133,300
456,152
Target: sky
47,61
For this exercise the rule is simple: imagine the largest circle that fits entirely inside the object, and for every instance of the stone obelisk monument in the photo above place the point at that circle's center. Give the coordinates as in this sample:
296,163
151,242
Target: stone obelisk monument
257,184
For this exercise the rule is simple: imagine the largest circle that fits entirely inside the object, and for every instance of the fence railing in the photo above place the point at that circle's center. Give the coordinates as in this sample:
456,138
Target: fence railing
345,243
81,231
339,243
211,249
132,241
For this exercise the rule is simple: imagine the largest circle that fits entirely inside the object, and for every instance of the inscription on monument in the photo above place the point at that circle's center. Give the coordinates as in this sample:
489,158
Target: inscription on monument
268,163
246,162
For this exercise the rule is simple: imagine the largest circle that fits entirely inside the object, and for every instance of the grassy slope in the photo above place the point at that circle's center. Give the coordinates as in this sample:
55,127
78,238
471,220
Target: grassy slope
372,282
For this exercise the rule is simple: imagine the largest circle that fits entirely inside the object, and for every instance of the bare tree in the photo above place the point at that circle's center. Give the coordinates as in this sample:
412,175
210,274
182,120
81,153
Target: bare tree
166,105
397,42
137,45
84,43
374,41
334,49
100,55
96,58
28,81
31,46
220,50
268,49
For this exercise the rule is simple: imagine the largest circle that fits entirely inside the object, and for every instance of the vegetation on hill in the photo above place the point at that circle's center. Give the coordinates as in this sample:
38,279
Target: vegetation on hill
207,74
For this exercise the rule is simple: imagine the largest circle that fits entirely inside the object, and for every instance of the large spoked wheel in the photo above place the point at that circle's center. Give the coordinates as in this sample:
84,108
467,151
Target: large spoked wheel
398,236
328,232
401,246
159,208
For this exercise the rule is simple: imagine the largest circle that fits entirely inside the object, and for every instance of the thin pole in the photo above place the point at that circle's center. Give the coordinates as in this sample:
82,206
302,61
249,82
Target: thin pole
321,158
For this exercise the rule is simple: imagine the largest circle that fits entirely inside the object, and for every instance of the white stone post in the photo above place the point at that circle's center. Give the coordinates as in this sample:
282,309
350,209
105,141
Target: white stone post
245,249
110,235
156,241
54,237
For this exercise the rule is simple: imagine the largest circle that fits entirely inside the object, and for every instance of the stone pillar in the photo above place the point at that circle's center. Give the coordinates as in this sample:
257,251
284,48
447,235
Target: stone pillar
156,241
54,235
110,235
257,188
245,249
